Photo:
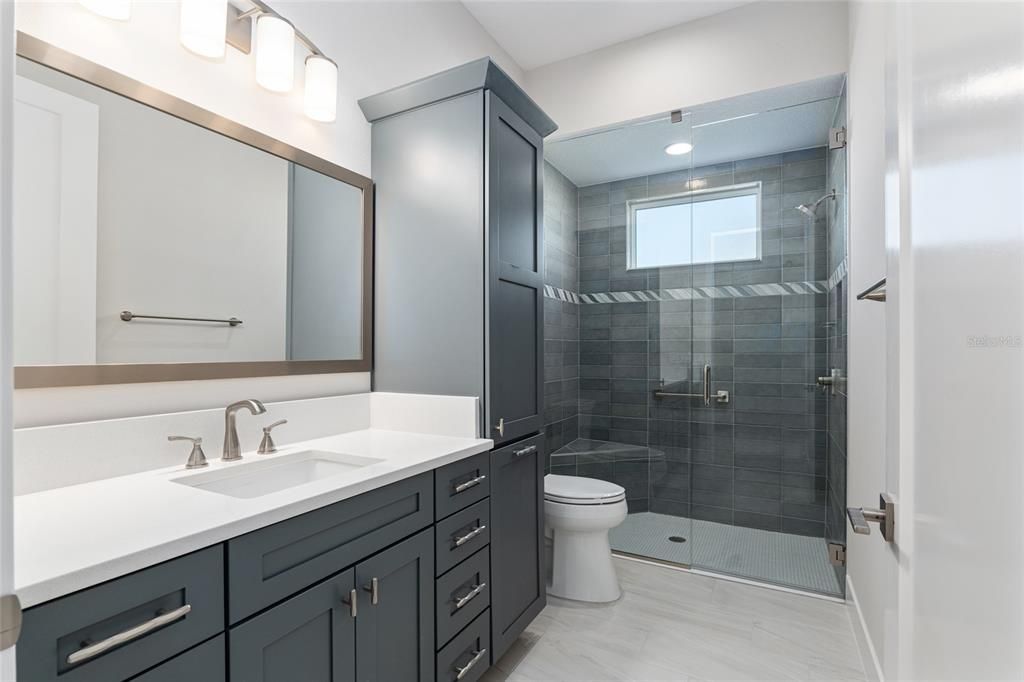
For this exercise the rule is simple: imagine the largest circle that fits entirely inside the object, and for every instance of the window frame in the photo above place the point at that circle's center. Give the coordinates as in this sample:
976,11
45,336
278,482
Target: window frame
691,197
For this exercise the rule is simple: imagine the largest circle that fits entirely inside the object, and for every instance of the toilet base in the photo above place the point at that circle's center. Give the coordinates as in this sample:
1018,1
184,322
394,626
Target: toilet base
582,568
580,557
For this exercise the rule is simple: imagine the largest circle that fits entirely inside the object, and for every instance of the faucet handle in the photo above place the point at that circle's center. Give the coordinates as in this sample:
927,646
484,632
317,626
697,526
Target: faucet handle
267,445
196,458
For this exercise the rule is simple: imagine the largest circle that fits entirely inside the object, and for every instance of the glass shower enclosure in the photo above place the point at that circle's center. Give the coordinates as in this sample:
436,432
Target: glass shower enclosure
711,287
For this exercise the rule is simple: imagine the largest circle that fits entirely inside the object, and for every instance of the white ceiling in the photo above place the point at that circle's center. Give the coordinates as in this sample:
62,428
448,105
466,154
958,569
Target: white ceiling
784,119
539,32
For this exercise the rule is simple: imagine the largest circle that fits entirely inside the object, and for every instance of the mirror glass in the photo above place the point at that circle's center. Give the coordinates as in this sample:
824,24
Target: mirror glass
126,214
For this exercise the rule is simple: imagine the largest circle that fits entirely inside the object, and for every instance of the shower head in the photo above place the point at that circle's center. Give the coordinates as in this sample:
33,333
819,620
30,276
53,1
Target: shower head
809,210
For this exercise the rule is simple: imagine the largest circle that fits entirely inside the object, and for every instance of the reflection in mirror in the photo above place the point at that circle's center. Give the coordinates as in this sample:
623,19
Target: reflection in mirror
126,213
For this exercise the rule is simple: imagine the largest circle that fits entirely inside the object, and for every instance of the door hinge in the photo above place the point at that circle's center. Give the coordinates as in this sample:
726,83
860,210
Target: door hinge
836,554
837,138
10,620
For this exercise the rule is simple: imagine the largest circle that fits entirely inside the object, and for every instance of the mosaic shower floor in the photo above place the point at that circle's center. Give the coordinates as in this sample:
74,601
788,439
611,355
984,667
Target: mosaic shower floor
794,561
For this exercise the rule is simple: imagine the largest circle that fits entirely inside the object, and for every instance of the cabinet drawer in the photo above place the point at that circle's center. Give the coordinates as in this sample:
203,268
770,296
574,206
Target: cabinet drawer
462,534
462,594
468,654
460,484
204,663
270,564
122,627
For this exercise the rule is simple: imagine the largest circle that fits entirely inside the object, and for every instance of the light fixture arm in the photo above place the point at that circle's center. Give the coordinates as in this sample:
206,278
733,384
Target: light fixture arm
261,8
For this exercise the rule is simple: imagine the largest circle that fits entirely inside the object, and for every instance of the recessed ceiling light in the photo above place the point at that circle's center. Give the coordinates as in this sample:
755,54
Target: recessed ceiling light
678,148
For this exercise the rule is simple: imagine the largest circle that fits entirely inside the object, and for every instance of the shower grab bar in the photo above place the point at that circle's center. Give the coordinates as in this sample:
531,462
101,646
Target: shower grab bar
875,292
706,394
128,316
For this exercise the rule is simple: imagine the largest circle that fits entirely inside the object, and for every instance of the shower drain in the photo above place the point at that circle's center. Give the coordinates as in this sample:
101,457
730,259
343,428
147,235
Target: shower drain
676,538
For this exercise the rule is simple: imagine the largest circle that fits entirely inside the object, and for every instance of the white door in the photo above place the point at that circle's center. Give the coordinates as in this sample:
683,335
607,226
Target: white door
55,181
955,320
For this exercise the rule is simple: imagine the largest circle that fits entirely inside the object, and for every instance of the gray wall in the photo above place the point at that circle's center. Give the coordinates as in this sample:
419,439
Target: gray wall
838,302
760,460
561,317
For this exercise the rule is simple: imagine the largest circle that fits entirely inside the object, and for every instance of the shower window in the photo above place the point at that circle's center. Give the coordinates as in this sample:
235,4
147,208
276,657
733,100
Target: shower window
706,226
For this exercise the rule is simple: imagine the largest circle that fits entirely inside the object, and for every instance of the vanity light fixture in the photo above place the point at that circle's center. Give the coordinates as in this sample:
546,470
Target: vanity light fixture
206,25
111,9
275,53
203,26
678,148
321,91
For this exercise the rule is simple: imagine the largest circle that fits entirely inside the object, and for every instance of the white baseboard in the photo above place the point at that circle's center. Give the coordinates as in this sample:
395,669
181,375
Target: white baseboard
868,655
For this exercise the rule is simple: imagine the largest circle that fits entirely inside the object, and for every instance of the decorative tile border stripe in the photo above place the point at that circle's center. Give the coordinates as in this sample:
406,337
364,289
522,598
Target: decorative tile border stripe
686,294
839,275
563,295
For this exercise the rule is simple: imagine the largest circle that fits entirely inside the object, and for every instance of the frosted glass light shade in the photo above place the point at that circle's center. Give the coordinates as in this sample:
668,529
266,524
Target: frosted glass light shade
111,9
275,53
203,26
320,98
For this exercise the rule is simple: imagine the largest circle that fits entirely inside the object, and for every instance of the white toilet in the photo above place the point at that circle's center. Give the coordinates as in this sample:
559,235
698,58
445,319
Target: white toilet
578,514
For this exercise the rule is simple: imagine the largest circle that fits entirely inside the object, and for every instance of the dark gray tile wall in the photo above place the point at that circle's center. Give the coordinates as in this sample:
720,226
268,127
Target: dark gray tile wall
838,300
561,319
759,461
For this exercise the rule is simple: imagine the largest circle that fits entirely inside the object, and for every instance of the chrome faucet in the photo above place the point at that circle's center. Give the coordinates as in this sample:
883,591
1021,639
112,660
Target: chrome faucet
232,449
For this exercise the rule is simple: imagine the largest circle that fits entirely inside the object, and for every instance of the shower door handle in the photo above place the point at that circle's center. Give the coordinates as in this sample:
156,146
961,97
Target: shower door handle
707,385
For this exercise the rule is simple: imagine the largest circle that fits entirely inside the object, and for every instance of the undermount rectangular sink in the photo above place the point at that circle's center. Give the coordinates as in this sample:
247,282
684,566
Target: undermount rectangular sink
258,478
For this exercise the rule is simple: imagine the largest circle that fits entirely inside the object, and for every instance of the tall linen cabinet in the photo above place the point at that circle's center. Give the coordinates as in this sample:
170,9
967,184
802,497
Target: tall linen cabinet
458,290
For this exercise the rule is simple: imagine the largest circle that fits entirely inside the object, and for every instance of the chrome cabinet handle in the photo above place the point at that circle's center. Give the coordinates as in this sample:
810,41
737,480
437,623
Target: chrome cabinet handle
374,589
528,450
461,672
93,650
460,541
352,603
471,483
501,427
469,596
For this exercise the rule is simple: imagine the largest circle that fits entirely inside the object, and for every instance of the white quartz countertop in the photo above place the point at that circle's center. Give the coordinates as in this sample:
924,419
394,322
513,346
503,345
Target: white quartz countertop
70,538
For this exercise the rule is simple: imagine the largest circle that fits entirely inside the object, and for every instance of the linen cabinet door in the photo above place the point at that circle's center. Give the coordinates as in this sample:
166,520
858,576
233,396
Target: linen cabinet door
395,628
310,637
518,587
515,280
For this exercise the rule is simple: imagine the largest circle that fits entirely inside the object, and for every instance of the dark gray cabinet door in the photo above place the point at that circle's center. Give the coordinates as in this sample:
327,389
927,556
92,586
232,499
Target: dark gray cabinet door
395,635
518,589
310,637
514,381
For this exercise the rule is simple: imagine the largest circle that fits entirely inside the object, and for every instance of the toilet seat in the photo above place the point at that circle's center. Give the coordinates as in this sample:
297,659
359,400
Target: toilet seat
577,490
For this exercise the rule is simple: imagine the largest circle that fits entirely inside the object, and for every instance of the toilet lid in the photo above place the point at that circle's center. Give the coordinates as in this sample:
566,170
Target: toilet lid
580,490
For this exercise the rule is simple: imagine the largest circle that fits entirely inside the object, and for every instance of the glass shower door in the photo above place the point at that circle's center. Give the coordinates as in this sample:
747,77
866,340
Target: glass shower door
758,462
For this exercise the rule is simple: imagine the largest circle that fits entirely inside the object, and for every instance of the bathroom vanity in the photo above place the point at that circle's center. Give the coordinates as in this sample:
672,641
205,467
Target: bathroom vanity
390,556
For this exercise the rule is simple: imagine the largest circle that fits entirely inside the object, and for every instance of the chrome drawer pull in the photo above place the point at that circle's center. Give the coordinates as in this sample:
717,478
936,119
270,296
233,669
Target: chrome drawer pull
461,672
93,650
459,542
529,450
469,596
471,483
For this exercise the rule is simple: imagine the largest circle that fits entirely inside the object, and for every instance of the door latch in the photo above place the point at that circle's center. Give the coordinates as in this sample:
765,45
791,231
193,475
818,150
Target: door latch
884,516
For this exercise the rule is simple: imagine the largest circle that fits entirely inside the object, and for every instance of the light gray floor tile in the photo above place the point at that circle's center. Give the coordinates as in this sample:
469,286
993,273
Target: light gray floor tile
673,625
